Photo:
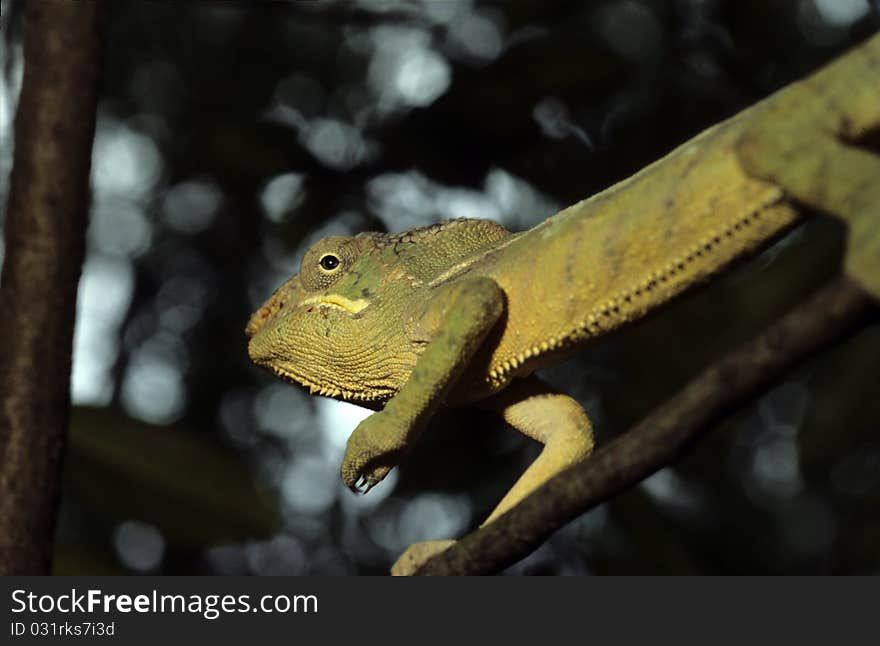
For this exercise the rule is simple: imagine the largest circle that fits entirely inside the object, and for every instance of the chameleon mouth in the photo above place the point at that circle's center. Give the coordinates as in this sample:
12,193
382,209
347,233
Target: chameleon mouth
327,390
337,301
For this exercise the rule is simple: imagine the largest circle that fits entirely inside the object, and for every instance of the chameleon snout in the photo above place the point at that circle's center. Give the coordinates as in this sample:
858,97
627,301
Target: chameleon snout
266,345
257,349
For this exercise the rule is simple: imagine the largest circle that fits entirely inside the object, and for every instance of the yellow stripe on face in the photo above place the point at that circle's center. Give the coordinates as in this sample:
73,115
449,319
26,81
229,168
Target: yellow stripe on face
337,300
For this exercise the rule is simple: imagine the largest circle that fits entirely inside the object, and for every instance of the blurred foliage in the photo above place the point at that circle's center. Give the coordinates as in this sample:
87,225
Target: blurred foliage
232,134
127,469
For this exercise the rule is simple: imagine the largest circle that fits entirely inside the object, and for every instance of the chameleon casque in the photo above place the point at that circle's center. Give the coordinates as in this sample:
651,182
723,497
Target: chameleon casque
463,312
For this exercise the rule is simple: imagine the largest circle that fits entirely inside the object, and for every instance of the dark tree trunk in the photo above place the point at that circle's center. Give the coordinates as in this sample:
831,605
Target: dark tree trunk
45,243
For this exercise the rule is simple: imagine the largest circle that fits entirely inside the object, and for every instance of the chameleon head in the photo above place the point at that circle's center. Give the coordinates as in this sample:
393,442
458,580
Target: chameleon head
326,328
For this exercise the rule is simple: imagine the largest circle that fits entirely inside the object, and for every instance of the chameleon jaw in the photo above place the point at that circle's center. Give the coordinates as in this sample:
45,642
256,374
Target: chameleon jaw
354,396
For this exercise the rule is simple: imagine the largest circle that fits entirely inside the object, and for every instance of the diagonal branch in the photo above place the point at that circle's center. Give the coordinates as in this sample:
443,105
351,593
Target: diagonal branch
662,437
45,244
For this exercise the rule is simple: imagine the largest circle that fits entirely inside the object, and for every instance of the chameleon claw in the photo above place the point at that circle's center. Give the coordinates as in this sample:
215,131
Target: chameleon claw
365,482
354,486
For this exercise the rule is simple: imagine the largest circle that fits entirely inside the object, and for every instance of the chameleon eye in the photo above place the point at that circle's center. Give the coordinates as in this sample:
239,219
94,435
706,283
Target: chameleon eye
329,262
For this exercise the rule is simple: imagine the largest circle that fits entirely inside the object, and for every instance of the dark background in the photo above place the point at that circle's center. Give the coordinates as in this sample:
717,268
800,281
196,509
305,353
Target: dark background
231,135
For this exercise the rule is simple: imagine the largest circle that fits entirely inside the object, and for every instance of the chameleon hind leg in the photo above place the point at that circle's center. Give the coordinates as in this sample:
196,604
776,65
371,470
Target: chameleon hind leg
836,178
537,411
819,162
555,420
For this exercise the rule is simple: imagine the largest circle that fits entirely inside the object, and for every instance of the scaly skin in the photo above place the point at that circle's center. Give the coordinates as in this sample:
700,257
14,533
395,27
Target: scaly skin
464,312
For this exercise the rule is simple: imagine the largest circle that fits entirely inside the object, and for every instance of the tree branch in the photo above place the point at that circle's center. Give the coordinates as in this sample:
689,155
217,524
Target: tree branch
662,437
45,244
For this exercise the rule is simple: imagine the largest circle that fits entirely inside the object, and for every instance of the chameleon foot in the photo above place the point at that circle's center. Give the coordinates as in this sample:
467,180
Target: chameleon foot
374,448
416,554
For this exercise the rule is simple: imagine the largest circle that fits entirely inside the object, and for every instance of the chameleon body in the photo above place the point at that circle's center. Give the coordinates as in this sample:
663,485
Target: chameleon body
463,312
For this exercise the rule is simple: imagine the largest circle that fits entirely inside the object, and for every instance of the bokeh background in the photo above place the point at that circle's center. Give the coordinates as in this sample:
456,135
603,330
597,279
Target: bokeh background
231,135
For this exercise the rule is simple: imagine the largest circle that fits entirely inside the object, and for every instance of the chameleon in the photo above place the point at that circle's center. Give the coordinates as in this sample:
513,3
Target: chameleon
463,312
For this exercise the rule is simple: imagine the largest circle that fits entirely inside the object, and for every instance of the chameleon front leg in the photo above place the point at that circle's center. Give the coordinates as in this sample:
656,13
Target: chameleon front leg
537,411
457,322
